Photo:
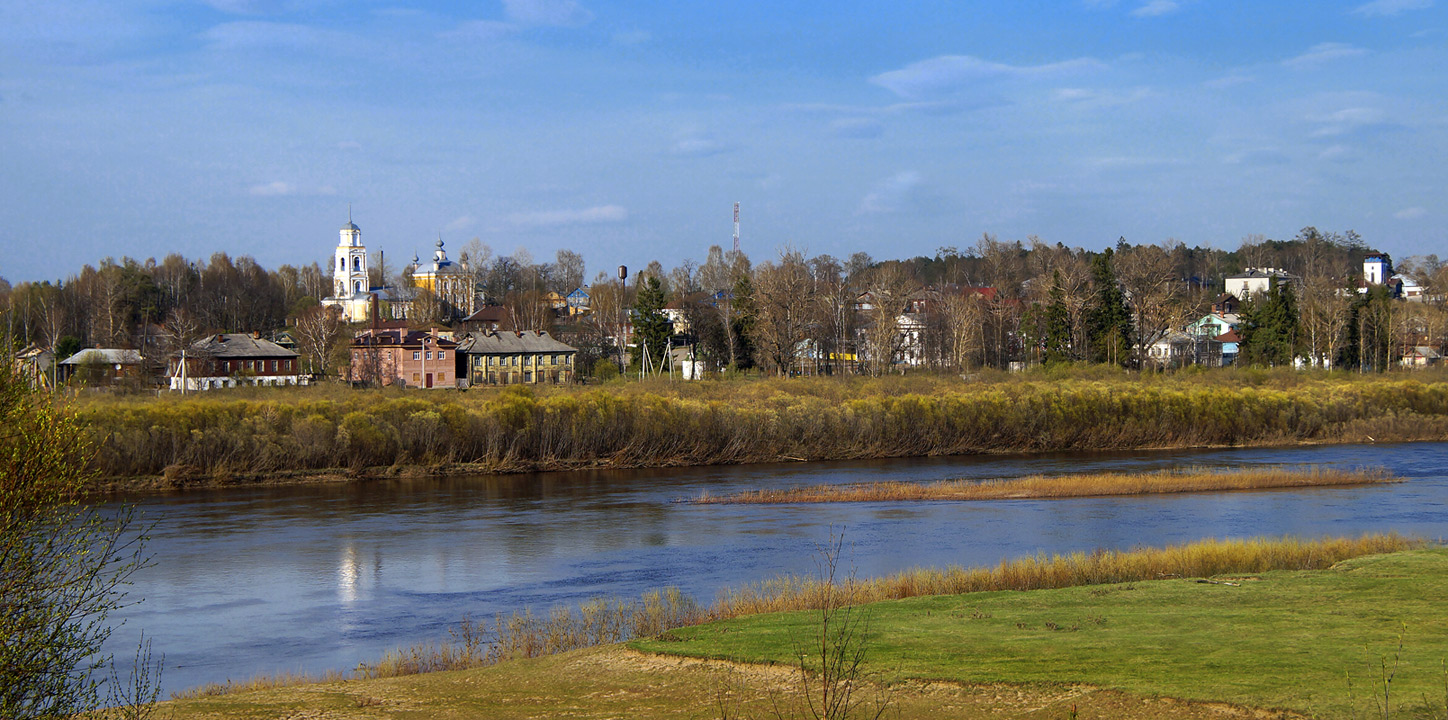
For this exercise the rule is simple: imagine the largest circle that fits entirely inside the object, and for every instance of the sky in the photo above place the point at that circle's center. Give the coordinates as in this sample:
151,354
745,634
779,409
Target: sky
626,130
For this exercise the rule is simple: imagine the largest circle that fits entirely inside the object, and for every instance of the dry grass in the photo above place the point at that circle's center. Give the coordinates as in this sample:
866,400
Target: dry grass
254,435
259,682
1200,559
1064,486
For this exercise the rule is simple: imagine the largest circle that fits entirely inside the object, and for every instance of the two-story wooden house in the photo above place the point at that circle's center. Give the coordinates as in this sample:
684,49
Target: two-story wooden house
516,357
232,359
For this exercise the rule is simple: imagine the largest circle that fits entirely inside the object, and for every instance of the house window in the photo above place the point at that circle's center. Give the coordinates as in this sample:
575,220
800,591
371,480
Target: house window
441,354
441,376
273,366
429,354
416,355
414,377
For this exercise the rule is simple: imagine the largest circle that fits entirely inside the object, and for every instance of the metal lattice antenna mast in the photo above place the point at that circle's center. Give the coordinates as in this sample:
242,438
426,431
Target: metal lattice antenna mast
736,227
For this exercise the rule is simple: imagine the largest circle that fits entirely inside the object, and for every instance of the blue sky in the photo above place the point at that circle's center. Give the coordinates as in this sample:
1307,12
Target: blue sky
626,131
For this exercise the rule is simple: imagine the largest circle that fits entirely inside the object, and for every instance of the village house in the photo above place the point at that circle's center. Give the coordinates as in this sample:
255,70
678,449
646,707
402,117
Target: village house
516,357
231,360
1254,281
37,365
411,358
103,366
1420,356
489,318
578,301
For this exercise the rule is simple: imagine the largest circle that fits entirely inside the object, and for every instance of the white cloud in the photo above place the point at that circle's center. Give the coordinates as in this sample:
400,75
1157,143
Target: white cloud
695,142
1101,98
891,194
281,188
558,218
1346,120
276,187
632,37
459,223
248,34
1412,213
481,30
1229,81
858,127
1390,8
561,13
1257,157
1156,8
949,73
1322,53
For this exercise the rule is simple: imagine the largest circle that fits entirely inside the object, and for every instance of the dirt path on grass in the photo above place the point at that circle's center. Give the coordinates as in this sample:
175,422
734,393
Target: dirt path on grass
615,682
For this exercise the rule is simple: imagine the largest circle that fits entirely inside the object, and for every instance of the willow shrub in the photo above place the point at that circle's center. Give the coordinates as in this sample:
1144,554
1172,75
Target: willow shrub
720,422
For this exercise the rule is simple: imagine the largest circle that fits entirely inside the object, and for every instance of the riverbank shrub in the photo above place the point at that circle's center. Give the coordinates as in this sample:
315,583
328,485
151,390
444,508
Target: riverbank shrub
719,422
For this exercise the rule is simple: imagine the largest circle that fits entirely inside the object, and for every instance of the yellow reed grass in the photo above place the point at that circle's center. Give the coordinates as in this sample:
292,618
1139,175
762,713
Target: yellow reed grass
1063,486
1200,559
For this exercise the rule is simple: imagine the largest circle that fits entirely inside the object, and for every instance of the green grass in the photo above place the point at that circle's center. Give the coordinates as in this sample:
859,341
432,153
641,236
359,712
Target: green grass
1284,639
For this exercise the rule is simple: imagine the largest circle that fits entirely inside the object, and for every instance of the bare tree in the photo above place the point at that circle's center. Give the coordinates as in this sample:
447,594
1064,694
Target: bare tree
889,287
567,272
318,330
781,296
1147,274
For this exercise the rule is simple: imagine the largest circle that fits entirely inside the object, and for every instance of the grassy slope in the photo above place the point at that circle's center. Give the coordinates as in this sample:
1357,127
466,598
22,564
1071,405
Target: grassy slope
1285,640
610,682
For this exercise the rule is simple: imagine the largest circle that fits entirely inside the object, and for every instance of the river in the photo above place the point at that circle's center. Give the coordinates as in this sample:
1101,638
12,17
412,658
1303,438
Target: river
309,578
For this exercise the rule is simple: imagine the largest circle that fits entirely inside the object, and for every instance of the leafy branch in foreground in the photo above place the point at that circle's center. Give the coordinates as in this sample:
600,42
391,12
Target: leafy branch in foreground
64,564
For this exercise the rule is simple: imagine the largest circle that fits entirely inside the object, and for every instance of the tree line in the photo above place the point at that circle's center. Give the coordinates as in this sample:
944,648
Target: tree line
991,304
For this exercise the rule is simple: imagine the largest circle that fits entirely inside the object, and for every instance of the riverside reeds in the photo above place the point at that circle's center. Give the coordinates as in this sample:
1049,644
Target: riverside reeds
1200,559
326,430
523,634
1062,486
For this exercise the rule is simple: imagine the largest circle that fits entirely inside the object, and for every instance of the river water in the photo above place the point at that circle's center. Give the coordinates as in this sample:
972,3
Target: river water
305,579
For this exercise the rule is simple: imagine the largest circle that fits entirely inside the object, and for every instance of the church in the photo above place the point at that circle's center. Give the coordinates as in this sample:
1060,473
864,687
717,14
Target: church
351,291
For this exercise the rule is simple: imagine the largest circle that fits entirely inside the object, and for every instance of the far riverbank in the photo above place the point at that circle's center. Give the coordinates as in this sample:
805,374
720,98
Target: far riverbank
331,434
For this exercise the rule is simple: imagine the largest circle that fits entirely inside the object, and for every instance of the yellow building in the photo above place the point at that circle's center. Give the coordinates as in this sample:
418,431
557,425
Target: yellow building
446,280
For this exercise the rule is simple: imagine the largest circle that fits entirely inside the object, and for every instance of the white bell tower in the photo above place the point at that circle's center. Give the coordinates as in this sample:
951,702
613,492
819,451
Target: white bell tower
349,264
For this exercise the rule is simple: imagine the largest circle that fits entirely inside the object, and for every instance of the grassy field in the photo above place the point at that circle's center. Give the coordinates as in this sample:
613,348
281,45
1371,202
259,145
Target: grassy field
1062,486
1284,641
266,434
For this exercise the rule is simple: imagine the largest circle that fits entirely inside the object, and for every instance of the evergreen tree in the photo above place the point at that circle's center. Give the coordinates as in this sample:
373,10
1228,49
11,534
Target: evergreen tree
1058,324
744,318
1108,322
1270,329
650,324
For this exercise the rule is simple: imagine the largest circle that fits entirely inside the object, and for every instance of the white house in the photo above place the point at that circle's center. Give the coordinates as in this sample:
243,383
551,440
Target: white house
1255,280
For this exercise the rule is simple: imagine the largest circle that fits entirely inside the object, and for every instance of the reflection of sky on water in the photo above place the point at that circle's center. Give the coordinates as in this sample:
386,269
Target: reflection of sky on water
312,578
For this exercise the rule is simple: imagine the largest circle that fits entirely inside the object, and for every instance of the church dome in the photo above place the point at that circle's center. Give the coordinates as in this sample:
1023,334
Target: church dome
351,226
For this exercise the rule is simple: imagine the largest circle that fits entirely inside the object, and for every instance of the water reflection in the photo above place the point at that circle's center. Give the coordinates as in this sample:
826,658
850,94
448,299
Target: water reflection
312,578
